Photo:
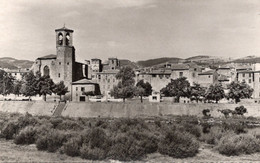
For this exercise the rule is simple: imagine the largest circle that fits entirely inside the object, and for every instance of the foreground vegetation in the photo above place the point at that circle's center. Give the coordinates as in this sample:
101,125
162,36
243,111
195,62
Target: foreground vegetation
131,139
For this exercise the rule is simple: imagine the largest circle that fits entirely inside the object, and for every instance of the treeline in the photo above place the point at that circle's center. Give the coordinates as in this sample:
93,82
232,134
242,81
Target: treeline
181,88
30,85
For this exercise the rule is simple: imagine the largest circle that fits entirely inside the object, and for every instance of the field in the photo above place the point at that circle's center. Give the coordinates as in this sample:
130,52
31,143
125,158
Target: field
166,139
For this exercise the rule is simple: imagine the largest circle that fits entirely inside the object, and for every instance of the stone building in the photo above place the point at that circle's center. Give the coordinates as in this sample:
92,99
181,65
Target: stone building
80,87
62,66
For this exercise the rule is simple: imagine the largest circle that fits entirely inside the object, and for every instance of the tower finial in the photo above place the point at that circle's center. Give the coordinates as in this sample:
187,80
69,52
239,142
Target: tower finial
64,25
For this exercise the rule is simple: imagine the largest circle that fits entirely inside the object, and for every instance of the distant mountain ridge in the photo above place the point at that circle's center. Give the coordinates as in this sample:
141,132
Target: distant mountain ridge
12,63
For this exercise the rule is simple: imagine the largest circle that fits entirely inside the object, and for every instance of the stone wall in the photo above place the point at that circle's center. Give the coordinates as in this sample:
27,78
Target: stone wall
81,109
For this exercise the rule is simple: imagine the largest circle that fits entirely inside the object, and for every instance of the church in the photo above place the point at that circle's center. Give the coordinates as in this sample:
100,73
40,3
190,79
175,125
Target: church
63,66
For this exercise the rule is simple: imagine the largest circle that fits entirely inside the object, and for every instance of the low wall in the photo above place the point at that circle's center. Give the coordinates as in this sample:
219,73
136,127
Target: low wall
32,107
116,110
151,109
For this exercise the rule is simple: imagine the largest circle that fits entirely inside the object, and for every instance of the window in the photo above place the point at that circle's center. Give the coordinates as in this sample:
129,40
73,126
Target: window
59,75
209,76
161,76
153,75
59,63
193,75
68,63
99,76
243,74
154,97
82,89
82,98
113,68
180,74
15,73
76,88
249,74
195,69
108,80
249,81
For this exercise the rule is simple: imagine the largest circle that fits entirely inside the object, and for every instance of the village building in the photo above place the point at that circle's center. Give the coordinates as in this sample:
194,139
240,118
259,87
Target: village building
17,73
81,89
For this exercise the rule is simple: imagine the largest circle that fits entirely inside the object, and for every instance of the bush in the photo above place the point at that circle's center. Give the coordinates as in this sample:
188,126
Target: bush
51,141
215,134
9,130
241,110
72,146
206,112
125,148
68,125
191,128
26,136
232,144
178,144
92,153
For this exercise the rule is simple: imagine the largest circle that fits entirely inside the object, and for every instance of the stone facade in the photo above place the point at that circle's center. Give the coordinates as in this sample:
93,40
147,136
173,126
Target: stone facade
62,66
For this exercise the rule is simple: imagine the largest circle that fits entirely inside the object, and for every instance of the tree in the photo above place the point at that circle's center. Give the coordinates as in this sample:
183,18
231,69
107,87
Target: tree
17,87
29,87
179,87
6,83
197,91
215,92
239,90
146,86
125,87
60,89
140,91
45,86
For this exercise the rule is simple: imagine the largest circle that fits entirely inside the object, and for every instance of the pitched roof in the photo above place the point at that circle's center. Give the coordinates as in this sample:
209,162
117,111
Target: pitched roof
180,67
160,71
209,72
83,82
51,56
108,72
64,29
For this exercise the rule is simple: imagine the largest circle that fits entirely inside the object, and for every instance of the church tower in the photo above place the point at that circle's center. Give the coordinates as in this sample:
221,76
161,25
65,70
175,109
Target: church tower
65,61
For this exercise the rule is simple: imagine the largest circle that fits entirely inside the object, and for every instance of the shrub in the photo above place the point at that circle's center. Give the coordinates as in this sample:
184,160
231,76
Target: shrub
72,146
93,136
215,134
191,128
237,126
55,121
68,125
232,144
125,148
51,141
26,136
206,112
9,130
92,153
241,110
178,144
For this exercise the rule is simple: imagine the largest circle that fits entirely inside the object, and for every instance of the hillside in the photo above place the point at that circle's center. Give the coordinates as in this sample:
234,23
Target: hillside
12,63
153,62
248,59
125,62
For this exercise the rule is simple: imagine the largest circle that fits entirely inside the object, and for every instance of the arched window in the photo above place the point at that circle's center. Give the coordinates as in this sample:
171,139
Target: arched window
67,39
46,71
60,38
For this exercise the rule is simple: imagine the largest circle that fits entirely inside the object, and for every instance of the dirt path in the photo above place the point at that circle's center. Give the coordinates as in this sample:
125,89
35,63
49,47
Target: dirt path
9,152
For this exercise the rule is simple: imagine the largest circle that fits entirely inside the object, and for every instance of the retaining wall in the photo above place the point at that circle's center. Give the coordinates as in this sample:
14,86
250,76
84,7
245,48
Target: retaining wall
79,109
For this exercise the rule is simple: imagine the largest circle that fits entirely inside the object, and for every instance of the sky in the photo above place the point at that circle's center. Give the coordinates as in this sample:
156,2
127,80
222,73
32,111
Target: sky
131,29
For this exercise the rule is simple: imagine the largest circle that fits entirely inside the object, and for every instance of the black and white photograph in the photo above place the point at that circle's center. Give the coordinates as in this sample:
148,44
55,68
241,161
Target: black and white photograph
120,81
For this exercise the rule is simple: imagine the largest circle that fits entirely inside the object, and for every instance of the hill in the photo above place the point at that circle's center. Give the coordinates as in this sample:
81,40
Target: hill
125,62
248,59
153,62
12,63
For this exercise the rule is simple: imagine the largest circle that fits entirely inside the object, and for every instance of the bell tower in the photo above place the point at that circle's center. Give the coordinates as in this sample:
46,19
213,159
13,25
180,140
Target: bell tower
65,55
